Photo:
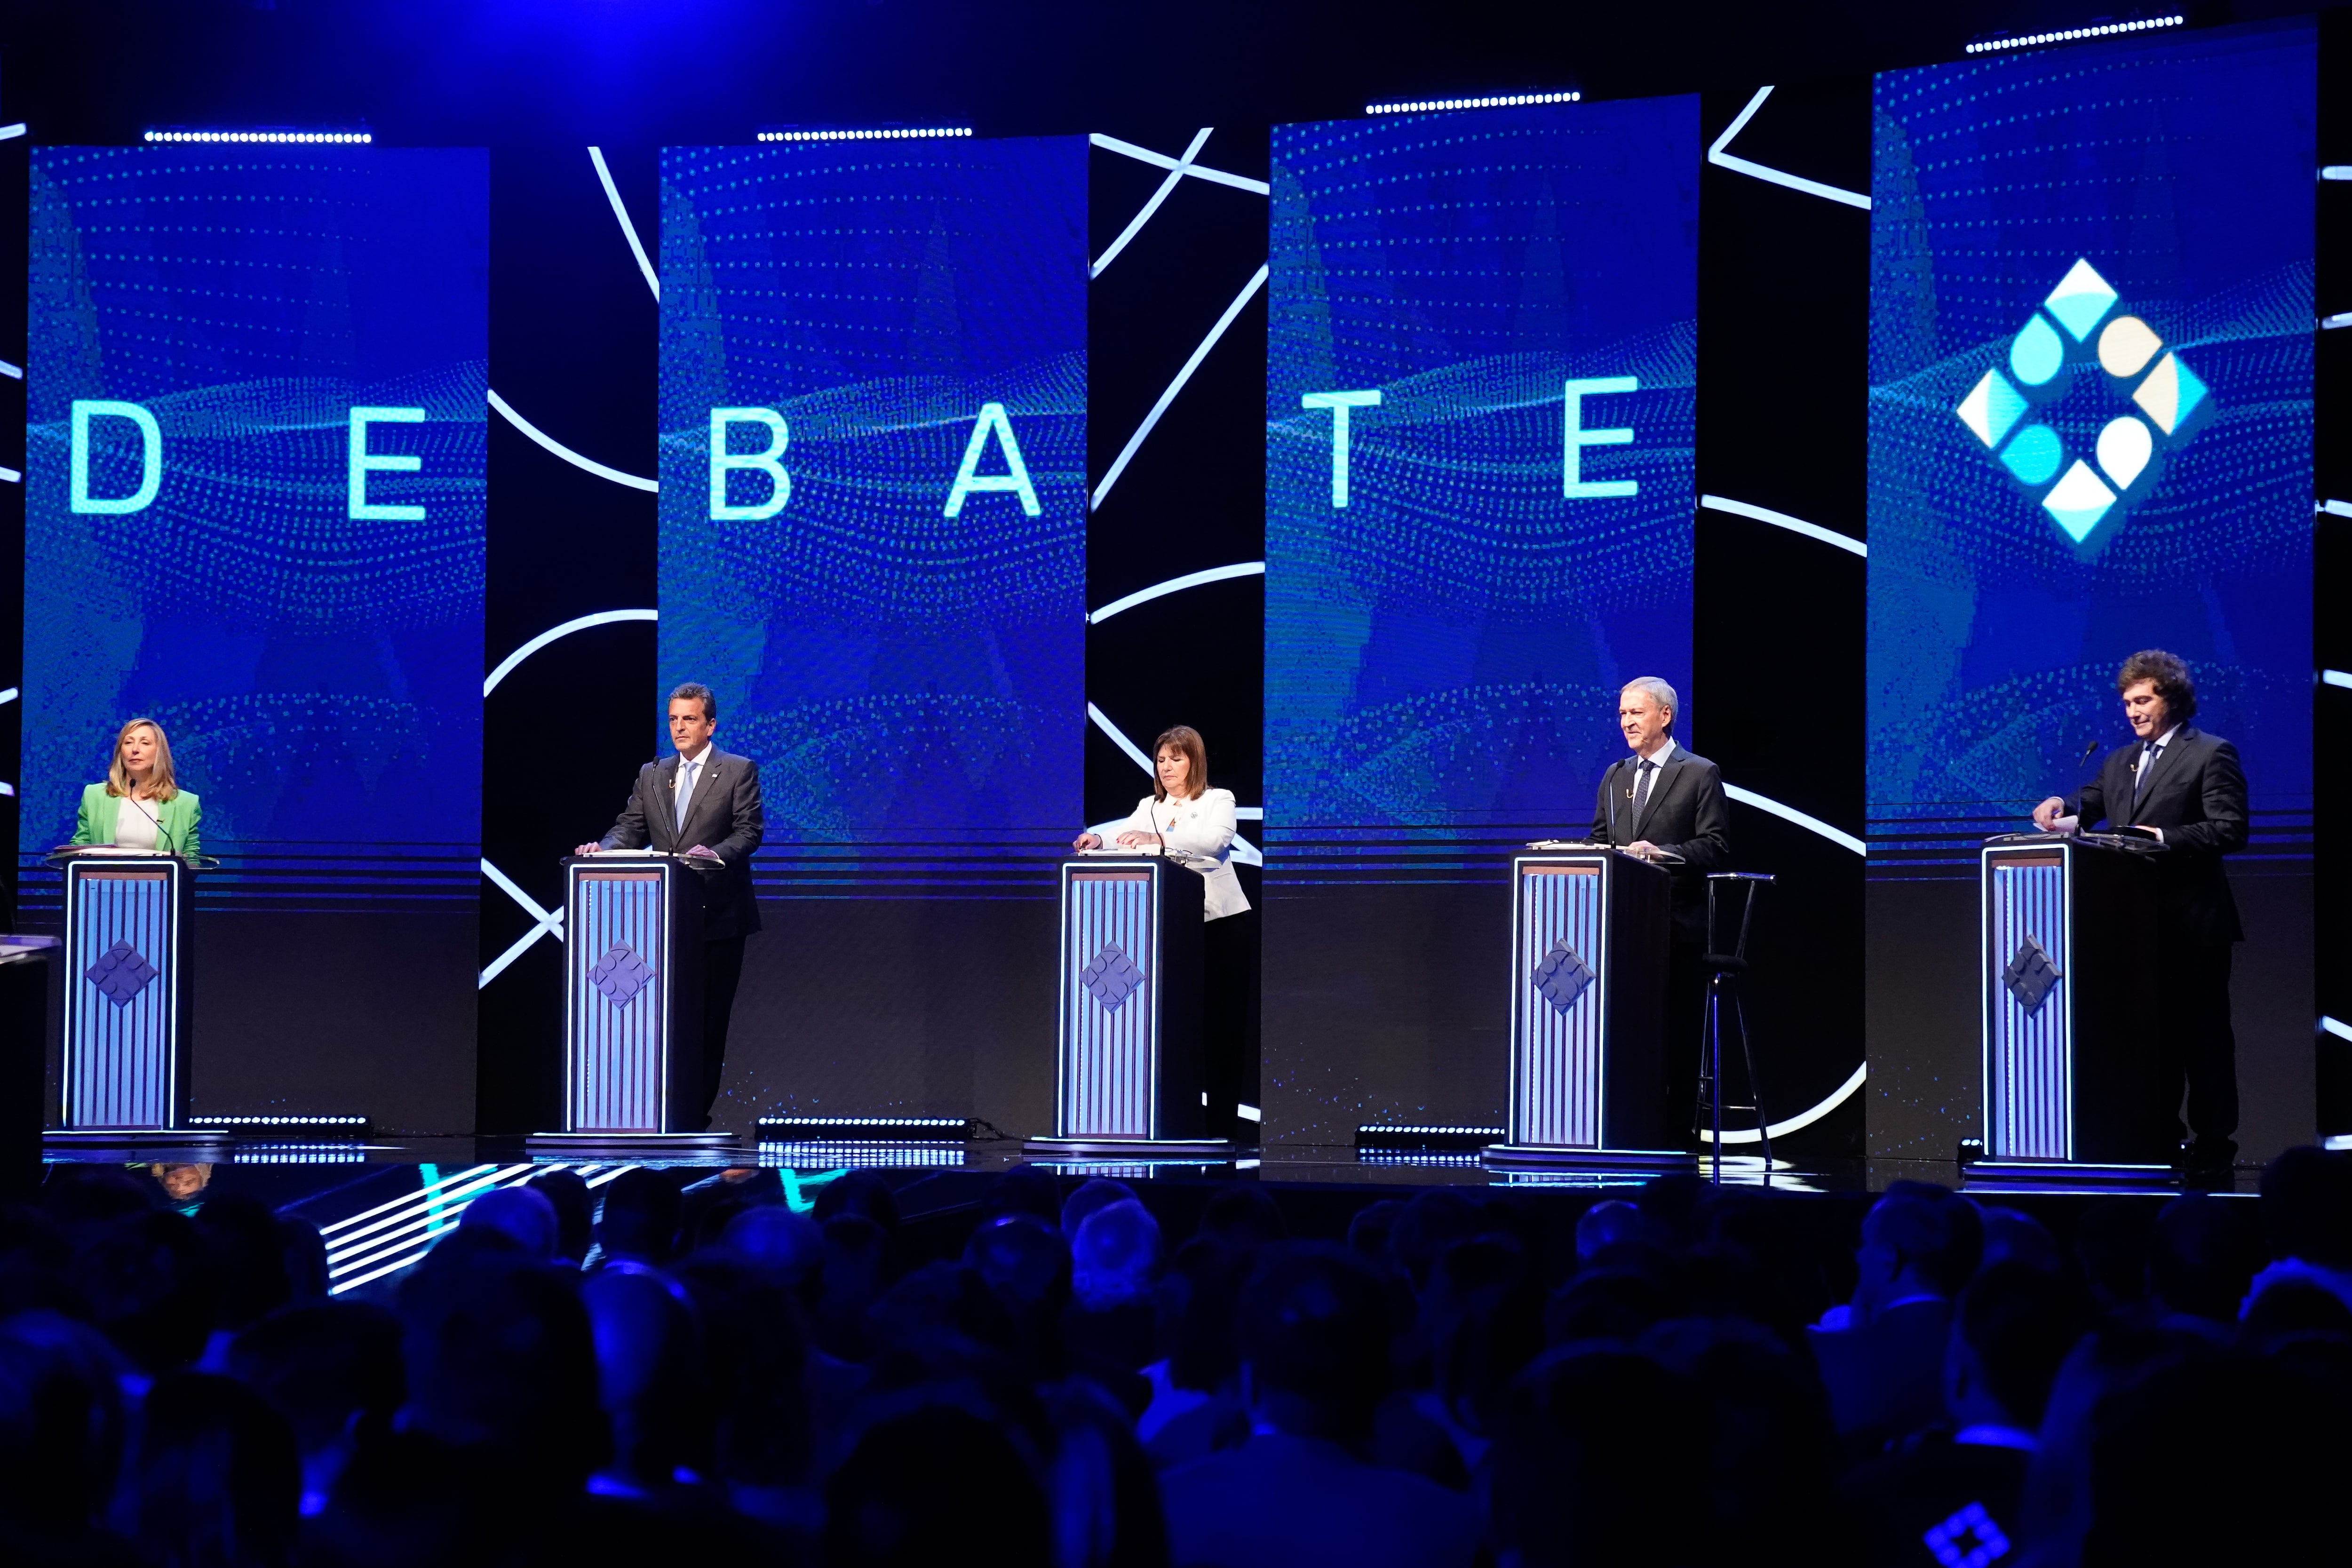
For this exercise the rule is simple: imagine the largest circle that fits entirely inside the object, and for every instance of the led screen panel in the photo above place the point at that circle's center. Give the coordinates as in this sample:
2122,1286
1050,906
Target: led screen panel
873,499
1480,412
2090,424
255,498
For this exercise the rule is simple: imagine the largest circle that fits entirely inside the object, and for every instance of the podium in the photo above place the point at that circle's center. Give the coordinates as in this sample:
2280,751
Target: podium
2070,995
124,1070
631,1004
1128,1071
1591,932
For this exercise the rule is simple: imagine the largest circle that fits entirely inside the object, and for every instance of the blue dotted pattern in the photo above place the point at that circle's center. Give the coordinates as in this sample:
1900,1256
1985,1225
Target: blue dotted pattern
2181,171
318,675
908,680
1444,653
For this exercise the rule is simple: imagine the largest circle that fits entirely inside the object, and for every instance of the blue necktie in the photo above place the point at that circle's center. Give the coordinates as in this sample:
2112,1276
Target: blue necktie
1642,792
2139,780
686,771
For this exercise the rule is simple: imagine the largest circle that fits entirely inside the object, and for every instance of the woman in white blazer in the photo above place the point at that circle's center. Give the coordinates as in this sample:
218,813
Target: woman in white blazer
1195,824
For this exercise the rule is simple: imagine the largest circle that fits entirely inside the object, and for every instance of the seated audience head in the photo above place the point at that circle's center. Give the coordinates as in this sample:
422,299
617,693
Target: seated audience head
2307,1206
919,1487
757,1368
1575,1475
1434,1220
2204,1252
1314,1332
649,1365
329,1368
1369,1229
1610,1223
1918,1239
774,1241
1198,1299
304,1253
640,1218
1098,1191
249,1258
2013,1235
148,1281
1609,1304
215,1478
61,1426
1115,1257
524,1216
575,1211
863,1193
2014,1329
1024,1189
1244,1215
500,1358
2111,1248
1023,1261
1482,1320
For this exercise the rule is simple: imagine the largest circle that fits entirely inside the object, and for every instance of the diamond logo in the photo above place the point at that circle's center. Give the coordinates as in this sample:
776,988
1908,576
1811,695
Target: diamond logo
120,974
1562,976
620,975
2031,976
1111,978
1969,1539
2079,340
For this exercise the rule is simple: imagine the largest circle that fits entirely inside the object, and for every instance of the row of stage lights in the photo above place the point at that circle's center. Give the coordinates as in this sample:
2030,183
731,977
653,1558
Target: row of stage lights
2069,34
1505,100
346,138
879,134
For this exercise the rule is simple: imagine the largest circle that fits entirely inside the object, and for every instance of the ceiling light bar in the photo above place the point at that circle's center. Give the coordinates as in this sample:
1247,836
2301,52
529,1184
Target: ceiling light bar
2069,34
1506,100
876,134
347,138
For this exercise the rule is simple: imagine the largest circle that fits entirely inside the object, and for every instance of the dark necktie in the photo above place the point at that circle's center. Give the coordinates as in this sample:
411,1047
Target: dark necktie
2139,779
1642,792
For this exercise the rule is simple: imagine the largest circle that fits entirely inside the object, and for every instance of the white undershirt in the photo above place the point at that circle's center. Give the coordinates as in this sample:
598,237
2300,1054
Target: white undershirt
134,824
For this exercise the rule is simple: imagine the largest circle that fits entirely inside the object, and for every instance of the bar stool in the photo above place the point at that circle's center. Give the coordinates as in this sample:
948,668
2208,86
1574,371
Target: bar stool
1723,969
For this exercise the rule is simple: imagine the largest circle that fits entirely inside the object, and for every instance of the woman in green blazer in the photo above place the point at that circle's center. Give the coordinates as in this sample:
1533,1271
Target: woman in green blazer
139,807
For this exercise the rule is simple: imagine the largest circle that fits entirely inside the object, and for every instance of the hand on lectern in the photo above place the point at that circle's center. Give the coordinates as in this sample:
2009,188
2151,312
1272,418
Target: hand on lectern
1086,841
1643,848
2046,815
588,849
702,852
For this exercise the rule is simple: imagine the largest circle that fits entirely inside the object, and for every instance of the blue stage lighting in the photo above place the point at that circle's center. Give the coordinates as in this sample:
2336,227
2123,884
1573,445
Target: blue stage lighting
342,138
1501,101
2071,35
864,134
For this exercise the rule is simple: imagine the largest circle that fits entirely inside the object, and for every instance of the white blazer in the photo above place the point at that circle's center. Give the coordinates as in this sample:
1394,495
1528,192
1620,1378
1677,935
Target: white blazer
1200,833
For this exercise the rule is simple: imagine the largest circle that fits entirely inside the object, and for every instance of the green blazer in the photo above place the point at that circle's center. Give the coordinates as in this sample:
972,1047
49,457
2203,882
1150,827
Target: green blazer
180,817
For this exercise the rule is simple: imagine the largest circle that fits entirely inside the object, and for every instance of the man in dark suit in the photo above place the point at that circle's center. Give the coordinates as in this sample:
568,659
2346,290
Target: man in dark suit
703,803
2187,788
1665,802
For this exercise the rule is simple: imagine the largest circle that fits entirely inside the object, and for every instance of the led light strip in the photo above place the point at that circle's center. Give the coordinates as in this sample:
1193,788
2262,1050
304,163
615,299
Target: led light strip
361,138
2067,36
888,133
1507,100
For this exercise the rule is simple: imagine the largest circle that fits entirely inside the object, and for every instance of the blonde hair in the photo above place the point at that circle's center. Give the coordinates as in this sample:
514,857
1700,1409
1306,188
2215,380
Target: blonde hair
160,783
1186,739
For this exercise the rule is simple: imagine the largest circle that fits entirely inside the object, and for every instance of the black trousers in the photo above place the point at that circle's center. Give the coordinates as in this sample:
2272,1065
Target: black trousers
2196,1043
1229,1043
722,972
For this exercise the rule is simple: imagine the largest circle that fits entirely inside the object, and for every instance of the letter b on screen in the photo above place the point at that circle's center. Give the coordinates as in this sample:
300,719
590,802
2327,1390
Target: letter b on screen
723,462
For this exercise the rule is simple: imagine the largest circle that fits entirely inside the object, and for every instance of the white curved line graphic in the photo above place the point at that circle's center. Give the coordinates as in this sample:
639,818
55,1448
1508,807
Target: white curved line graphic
1127,453
1163,160
1166,186
613,195
1782,520
1717,156
1803,1119
601,618
1790,813
589,465
1174,585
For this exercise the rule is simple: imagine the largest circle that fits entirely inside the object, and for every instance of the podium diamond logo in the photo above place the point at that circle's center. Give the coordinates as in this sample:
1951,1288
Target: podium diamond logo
2031,976
1562,976
2154,404
620,975
1111,978
120,974
1969,1539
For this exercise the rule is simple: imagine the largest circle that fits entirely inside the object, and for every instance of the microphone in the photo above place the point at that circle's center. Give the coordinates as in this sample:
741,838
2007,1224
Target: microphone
2087,750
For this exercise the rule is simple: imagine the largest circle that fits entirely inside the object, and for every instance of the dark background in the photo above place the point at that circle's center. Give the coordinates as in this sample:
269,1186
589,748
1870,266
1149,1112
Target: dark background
1778,695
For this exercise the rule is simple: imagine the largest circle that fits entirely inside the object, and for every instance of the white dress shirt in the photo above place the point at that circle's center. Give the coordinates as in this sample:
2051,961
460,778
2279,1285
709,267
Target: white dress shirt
134,823
1200,833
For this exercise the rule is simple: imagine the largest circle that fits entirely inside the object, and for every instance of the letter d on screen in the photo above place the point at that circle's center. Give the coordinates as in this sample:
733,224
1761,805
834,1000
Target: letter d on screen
151,456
